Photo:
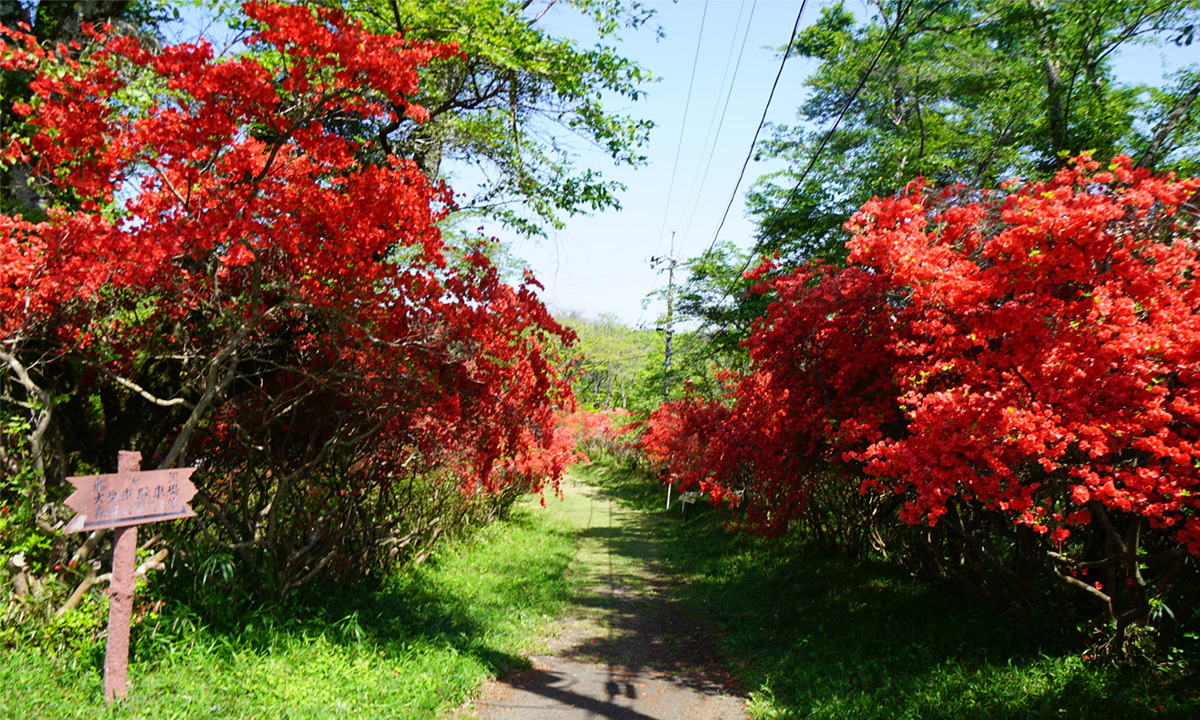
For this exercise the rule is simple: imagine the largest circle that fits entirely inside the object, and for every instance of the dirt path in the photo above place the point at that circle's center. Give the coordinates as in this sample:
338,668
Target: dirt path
626,652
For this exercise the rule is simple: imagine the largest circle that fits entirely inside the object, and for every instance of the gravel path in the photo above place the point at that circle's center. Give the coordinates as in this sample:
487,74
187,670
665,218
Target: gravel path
627,651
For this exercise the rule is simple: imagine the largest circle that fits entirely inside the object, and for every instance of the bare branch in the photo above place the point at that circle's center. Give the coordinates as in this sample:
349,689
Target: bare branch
89,545
1089,589
1168,126
170,185
213,386
138,388
86,584
43,423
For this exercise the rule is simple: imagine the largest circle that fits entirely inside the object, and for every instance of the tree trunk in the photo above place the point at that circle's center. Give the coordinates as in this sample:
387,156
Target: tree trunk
1168,126
1056,120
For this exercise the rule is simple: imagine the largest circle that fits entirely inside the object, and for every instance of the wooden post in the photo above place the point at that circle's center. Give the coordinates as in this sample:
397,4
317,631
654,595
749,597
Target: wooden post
120,596
123,501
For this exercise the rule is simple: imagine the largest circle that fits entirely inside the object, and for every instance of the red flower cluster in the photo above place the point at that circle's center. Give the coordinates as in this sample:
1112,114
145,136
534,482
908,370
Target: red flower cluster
1035,349
211,224
603,435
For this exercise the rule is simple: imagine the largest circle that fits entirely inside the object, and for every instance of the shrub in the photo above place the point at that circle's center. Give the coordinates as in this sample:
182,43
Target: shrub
224,270
1017,367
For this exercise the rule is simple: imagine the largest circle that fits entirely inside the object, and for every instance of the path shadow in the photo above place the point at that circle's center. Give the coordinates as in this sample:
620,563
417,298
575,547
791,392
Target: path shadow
562,688
648,630
822,635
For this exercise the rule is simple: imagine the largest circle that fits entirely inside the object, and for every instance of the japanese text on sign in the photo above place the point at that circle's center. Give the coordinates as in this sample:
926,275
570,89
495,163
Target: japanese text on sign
119,499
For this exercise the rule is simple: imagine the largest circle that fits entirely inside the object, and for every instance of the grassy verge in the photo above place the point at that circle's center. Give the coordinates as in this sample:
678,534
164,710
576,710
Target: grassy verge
827,637
419,644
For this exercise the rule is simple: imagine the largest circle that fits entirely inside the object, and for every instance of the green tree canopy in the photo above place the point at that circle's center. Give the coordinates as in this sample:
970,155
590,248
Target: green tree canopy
616,365
970,91
517,100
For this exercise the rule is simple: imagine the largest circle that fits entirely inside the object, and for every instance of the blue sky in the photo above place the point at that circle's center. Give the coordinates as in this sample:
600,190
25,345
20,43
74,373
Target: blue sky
600,264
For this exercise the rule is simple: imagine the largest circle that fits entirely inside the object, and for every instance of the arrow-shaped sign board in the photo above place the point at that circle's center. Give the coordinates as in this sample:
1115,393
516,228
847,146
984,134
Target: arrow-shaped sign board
130,498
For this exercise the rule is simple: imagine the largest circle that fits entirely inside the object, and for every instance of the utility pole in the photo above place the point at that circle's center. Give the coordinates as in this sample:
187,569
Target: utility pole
668,328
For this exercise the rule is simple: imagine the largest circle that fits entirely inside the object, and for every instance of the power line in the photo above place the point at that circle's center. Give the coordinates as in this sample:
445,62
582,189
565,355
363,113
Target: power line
721,124
591,288
787,51
683,125
712,121
605,277
901,13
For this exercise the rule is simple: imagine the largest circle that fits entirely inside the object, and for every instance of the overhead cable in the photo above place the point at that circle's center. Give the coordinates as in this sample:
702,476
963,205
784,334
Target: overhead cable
721,123
901,12
683,125
786,52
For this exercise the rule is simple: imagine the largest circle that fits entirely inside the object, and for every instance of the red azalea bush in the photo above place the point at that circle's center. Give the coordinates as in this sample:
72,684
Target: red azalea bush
1053,350
224,269
820,384
1027,354
604,435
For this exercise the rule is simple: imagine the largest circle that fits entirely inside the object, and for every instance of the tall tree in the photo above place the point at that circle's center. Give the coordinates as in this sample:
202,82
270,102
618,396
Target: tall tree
715,293
955,91
970,91
516,101
616,366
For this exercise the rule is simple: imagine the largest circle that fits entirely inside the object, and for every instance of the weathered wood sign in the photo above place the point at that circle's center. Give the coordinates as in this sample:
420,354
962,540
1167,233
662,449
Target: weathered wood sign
123,500
130,498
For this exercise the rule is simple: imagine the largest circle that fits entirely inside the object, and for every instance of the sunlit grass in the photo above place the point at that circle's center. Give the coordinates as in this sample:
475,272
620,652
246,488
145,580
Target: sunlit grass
819,636
419,644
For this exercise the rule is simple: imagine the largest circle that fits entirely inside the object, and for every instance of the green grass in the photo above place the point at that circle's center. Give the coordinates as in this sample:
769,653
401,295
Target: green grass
418,645
811,635
823,636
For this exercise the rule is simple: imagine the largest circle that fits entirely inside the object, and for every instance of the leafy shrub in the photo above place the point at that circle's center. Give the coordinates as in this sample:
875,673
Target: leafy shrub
606,436
1016,367
257,290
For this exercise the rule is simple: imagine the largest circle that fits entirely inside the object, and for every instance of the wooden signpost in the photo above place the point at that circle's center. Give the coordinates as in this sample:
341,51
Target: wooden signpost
123,500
